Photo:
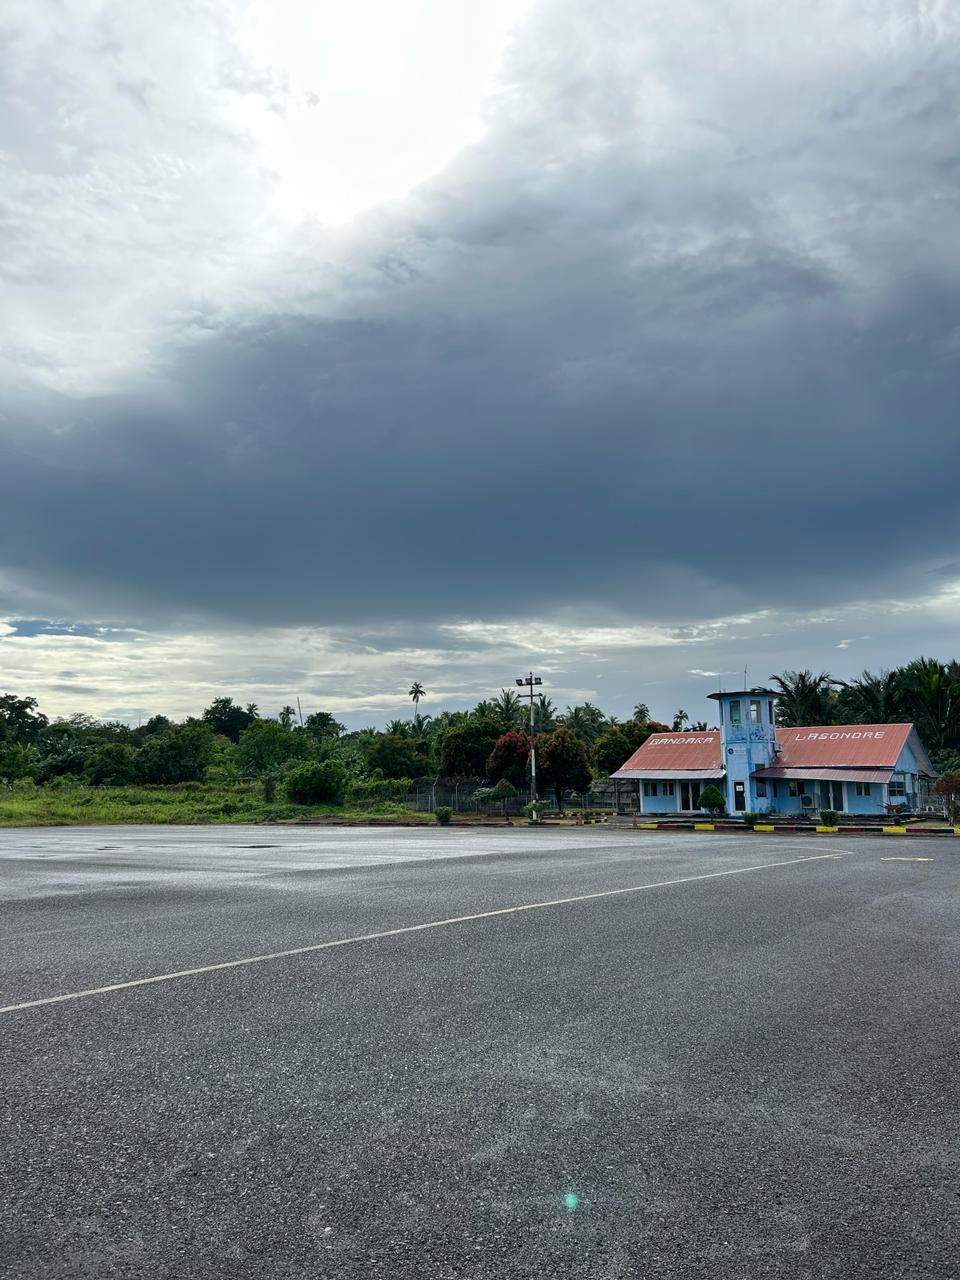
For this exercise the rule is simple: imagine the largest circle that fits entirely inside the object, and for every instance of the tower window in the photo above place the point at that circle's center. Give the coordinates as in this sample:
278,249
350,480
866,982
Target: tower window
754,710
735,712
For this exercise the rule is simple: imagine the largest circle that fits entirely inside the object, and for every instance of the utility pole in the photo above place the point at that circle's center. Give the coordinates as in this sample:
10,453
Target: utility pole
529,683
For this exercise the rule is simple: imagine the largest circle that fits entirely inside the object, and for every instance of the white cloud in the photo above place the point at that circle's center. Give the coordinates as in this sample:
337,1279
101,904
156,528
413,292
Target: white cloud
157,159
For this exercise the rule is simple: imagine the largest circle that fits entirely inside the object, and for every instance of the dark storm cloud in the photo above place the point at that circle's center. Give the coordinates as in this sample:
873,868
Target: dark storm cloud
679,368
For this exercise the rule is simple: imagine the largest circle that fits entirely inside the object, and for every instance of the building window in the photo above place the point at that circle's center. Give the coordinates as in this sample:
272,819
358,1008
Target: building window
649,788
863,788
897,788
761,788
735,712
770,710
795,789
668,789
754,710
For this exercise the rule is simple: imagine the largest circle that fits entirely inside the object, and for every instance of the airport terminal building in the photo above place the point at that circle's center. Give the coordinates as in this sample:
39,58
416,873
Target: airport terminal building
762,768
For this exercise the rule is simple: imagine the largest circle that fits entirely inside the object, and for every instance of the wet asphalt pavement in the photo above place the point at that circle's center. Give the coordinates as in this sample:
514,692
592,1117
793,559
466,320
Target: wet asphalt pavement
754,1073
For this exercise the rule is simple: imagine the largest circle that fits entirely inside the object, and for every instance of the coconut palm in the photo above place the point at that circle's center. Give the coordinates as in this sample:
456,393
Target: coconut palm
416,693
930,697
641,713
418,727
586,722
871,699
508,707
544,715
805,698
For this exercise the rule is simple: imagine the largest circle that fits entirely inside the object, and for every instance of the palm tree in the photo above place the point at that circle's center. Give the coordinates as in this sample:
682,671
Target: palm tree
805,698
679,720
544,715
398,728
641,713
930,697
416,693
871,699
418,727
586,722
508,707
286,716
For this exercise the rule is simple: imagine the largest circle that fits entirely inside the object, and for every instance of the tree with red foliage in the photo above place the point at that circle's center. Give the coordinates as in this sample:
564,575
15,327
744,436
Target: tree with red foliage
510,758
948,786
562,763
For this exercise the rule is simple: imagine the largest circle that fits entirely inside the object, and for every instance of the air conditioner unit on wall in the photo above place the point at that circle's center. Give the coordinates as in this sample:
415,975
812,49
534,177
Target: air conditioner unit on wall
806,802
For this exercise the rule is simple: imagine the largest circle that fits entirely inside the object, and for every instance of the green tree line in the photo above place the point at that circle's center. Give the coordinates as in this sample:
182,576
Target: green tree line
232,742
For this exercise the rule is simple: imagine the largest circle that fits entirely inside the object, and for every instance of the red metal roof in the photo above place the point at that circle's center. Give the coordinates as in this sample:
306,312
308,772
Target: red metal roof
842,746
831,746
677,753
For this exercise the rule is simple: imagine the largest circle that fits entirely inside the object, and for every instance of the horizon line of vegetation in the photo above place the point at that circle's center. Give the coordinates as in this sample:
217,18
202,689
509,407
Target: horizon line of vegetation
318,762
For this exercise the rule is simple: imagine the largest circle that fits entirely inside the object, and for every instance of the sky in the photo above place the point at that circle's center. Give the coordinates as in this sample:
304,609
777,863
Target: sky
346,346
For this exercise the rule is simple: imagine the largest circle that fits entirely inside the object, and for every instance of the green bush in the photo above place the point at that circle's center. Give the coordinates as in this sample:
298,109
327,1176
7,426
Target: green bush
443,813
377,791
536,807
316,782
750,819
711,799
829,817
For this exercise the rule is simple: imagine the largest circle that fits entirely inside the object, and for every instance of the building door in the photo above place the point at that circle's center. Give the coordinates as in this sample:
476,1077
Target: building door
739,796
689,796
831,796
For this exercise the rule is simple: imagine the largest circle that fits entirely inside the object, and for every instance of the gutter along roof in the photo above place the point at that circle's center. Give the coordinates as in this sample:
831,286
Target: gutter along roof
666,775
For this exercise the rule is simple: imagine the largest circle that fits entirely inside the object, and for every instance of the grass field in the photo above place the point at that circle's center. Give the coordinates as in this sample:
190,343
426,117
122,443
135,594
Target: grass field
25,805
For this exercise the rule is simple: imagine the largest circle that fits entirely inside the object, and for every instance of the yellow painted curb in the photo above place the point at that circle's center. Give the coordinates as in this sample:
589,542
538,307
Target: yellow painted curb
956,831
647,826
894,831
827,829
759,826
704,826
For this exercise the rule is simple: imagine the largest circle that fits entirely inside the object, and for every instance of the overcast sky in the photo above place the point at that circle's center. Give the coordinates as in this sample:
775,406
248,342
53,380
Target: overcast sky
347,345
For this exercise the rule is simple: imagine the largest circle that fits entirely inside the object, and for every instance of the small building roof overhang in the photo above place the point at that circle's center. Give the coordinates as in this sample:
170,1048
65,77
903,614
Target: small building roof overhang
814,773
668,775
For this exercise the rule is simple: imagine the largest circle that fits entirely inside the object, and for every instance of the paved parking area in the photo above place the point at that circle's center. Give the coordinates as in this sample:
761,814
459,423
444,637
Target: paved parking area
683,1055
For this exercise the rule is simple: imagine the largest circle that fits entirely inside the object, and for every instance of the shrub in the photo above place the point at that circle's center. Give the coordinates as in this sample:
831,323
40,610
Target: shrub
711,799
536,807
378,791
750,819
829,817
443,813
316,782
110,765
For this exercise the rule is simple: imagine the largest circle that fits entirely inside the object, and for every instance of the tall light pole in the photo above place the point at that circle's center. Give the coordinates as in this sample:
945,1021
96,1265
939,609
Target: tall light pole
529,683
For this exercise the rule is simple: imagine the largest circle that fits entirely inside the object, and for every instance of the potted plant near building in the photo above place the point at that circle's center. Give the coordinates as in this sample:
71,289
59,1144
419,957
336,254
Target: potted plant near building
829,819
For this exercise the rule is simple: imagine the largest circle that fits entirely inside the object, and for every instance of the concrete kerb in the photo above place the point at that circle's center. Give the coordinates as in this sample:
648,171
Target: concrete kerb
788,828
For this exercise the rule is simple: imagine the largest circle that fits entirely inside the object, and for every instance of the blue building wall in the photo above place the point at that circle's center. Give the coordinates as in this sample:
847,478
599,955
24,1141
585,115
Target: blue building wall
745,746
659,803
751,750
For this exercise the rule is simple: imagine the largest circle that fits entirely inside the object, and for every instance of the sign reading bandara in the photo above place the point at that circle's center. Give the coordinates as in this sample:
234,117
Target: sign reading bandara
688,739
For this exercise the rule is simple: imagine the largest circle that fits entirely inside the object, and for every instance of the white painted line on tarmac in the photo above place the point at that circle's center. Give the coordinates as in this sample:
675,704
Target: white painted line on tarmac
410,928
